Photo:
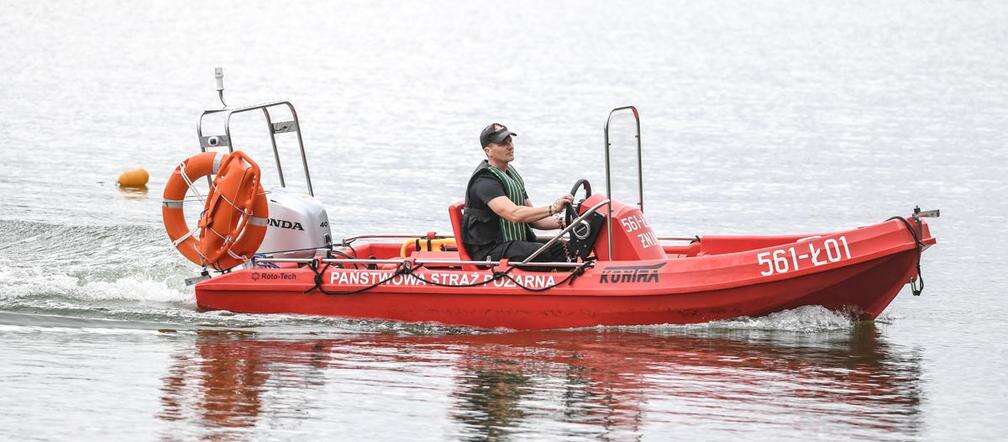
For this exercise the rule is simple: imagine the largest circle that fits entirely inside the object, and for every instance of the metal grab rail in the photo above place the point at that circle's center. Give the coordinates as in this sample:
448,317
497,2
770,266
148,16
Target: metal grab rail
345,242
274,128
392,236
565,230
294,125
422,261
608,178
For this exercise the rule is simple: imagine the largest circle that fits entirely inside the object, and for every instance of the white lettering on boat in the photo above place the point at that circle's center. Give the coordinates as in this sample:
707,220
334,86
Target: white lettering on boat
529,281
351,277
648,239
634,223
794,258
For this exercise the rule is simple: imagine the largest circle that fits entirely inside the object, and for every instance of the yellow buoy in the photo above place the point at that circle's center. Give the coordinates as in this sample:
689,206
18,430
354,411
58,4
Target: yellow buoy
134,178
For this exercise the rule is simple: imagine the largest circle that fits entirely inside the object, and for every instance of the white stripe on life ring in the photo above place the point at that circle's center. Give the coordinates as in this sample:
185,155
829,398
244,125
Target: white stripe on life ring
216,163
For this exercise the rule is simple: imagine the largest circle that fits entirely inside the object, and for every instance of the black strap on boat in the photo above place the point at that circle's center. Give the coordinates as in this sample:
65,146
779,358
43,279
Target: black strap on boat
402,269
917,288
577,271
408,268
495,276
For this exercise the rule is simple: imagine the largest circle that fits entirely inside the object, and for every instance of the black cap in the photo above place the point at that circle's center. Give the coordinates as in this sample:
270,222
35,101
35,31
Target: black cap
495,133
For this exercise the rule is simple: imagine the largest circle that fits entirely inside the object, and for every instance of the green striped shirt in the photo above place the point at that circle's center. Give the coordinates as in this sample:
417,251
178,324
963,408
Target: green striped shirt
514,187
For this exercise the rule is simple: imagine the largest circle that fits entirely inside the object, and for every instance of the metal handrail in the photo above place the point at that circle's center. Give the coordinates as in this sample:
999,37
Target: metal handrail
392,236
565,230
422,261
608,179
276,154
265,107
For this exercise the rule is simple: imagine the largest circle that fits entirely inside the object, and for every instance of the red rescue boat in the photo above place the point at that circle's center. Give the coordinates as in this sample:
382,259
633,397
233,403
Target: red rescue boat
856,271
627,274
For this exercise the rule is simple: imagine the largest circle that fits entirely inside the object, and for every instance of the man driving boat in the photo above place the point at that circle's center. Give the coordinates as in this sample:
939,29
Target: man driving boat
498,215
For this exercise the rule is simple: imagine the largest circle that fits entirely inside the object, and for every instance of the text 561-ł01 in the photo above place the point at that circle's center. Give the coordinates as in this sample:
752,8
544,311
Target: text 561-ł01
795,257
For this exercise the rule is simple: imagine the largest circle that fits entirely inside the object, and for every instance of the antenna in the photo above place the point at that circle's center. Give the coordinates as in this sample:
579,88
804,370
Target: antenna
219,76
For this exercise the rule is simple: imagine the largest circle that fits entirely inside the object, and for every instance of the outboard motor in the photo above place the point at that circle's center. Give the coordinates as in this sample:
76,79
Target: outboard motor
298,225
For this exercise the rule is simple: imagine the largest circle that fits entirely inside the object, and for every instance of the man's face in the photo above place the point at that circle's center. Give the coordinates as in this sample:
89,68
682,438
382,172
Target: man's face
502,152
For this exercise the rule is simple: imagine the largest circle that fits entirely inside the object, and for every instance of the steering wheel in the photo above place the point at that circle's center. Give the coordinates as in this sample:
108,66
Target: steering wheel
581,183
571,212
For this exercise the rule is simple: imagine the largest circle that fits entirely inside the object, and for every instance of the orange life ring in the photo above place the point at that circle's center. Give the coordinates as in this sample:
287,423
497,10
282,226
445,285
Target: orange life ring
235,215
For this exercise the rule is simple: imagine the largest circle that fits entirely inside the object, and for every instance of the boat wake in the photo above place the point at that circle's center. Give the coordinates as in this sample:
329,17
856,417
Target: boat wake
805,319
810,318
129,277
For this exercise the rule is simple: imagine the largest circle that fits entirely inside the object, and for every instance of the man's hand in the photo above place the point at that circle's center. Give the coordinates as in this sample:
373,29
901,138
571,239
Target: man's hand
559,204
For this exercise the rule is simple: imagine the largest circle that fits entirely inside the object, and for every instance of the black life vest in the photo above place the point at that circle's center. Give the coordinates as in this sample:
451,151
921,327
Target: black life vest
481,228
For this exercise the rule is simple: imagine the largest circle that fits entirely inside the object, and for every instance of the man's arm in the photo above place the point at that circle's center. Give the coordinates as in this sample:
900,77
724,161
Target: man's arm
507,209
492,193
548,223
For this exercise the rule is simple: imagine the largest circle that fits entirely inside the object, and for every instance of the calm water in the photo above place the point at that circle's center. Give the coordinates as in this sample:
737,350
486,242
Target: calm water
768,118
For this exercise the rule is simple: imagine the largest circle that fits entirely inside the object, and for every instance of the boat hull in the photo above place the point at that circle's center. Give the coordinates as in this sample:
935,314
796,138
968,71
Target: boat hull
679,290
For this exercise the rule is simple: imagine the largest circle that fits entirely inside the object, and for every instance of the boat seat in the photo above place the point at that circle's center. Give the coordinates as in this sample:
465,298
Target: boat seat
455,215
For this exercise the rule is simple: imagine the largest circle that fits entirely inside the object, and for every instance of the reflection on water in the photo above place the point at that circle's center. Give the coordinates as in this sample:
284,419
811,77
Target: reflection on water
599,384
229,380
